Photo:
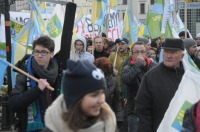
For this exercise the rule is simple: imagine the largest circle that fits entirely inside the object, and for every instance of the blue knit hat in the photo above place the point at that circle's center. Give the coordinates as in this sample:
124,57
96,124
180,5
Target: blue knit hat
79,79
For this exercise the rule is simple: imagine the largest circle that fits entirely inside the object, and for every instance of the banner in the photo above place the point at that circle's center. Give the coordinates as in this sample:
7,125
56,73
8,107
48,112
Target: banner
186,95
85,27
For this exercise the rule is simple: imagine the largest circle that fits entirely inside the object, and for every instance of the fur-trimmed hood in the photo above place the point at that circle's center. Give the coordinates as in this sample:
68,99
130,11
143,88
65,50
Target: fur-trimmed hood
55,122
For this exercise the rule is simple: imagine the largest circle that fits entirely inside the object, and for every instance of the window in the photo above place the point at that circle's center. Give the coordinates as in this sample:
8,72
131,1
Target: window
142,8
124,2
152,2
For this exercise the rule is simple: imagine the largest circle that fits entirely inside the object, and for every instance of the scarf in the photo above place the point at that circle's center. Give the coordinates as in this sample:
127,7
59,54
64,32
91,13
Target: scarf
148,61
34,115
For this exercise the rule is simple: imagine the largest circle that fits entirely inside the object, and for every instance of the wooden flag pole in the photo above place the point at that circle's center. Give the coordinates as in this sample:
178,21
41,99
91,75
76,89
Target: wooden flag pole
28,75
114,64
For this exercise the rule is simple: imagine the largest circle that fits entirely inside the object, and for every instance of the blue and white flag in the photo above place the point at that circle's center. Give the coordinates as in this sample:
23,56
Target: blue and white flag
3,65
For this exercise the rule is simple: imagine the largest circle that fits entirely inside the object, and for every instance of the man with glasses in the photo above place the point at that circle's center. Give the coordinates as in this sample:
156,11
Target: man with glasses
132,74
99,51
30,99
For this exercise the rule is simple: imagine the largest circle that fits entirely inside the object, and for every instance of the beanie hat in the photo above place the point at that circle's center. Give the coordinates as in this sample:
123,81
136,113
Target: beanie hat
198,35
144,40
81,38
79,79
188,42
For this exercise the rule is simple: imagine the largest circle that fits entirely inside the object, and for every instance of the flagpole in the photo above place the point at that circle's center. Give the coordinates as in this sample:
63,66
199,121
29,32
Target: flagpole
107,19
185,19
28,75
92,39
31,15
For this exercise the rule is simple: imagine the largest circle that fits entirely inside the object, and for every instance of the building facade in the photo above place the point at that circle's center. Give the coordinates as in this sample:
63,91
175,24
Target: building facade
193,15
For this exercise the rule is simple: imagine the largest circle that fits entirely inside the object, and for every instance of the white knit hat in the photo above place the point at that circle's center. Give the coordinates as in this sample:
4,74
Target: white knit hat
198,35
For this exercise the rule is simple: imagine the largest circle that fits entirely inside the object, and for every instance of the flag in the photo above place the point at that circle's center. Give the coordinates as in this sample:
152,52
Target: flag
55,25
43,8
154,19
128,31
158,7
99,11
33,28
79,16
141,29
15,27
154,25
3,65
168,31
113,3
187,94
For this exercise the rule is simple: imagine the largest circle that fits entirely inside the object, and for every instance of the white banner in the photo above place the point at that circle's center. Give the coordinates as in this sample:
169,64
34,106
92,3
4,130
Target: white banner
186,95
85,27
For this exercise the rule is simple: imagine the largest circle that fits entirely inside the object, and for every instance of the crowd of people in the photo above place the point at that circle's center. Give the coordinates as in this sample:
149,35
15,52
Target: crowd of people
108,85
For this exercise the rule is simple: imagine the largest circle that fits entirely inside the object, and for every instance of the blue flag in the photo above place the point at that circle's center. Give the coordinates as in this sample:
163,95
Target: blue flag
3,65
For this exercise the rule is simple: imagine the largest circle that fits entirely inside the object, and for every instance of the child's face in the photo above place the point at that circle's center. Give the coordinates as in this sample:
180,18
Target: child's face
91,103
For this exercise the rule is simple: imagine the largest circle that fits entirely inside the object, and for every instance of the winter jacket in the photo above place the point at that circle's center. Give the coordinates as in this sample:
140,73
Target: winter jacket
121,58
155,93
113,97
132,75
55,123
21,97
100,54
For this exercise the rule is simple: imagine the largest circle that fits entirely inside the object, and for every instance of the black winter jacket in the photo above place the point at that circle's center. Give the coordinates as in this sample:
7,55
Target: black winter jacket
21,97
132,75
155,93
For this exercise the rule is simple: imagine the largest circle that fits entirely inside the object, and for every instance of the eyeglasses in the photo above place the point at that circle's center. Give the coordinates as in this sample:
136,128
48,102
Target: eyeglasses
43,52
138,52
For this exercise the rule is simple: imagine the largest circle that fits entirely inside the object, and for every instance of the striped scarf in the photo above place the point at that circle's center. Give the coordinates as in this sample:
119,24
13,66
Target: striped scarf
34,115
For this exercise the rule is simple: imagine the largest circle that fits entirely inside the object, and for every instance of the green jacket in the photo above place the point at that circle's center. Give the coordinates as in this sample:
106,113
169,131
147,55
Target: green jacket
121,58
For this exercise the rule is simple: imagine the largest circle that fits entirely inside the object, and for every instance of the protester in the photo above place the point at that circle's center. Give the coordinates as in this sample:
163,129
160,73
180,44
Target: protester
105,45
120,58
156,44
82,106
159,86
198,39
182,35
80,52
99,51
30,99
152,55
191,47
132,74
191,121
113,97
198,54
111,46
